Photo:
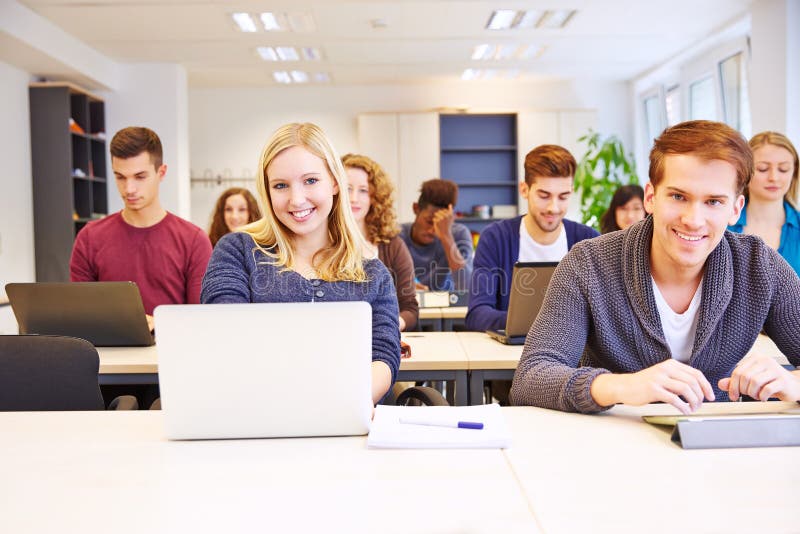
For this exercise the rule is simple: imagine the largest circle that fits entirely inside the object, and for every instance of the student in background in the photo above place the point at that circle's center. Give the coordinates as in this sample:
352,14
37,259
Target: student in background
235,207
307,247
771,208
440,247
542,235
667,310
165,255
626,209
372,202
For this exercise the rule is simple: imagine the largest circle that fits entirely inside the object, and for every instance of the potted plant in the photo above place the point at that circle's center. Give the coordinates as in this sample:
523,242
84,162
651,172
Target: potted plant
603,168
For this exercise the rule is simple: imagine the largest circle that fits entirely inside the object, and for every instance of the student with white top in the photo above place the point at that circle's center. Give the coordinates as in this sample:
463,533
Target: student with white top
542,235
666,310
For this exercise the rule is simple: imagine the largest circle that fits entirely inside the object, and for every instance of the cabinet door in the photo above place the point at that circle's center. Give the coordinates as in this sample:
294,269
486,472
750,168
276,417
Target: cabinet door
534,128
418,158
378,140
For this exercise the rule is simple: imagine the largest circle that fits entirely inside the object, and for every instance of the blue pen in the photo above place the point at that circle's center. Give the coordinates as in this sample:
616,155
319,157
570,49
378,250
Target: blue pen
451,424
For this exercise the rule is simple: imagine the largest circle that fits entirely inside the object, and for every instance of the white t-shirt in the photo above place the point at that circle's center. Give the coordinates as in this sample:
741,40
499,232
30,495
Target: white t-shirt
530,250
679,328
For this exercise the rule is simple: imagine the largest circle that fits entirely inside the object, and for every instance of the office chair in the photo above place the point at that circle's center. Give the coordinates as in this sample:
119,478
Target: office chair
420,396
52,373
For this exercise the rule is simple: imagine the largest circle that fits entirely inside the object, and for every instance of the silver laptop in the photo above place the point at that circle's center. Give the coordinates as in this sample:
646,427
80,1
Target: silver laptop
103,313
529,282
265,370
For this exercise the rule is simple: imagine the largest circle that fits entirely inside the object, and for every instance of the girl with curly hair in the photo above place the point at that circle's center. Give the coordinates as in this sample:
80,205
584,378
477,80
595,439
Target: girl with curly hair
371,200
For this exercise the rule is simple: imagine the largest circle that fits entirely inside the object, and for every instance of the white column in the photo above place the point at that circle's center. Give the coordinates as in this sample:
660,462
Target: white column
155,95
775,67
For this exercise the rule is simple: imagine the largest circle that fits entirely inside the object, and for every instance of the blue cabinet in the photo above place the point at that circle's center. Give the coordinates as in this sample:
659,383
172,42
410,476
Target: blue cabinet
479,153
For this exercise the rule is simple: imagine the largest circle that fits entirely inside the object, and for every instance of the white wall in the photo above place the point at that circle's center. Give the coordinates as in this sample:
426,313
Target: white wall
230,126
155,95
16,189
775,67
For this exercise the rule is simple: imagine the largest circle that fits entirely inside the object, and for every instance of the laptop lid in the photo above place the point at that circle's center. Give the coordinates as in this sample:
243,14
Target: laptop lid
265,370
103,313
529,283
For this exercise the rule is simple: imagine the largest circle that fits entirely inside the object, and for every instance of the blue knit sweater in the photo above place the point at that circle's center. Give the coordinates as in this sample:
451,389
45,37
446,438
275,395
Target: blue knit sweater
498,250
600,316
238,272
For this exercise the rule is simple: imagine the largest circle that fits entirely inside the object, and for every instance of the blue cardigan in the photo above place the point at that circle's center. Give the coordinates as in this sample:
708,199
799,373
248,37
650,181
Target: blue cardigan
238,272
497,252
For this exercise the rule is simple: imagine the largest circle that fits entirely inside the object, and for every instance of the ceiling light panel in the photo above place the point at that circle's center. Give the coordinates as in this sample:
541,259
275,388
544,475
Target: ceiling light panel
322,77
282,76
528,19
483,51
501,19
557,18
244,22
273,22
299,76
267,53
311,53
287,53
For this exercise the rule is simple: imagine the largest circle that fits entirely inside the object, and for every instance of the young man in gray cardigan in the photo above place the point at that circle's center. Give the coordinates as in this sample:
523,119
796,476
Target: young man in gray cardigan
667,310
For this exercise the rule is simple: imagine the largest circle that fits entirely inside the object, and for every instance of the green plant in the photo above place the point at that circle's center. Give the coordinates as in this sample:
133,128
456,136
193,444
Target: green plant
603,168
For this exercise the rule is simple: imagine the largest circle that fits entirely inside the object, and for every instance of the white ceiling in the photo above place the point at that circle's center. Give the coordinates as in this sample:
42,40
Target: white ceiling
423,40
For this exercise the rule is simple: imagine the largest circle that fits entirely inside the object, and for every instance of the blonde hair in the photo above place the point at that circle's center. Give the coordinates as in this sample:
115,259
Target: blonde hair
344,259
780,140
381,220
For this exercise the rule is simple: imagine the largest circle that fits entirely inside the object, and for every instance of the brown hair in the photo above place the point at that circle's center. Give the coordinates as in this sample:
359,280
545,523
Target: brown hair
707,140
549,161
623,194
780,140
381,219
437,192
133,140
218,227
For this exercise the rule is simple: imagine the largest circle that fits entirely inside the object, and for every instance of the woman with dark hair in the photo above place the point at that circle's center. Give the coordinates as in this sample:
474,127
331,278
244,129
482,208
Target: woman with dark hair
626,209
235,208
371,200
772,196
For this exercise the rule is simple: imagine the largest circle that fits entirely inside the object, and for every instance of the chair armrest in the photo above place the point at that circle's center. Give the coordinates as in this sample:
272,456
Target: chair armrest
421,395
124,402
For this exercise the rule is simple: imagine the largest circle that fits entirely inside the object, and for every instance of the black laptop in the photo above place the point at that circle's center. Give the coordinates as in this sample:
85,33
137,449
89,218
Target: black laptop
104,313
529,282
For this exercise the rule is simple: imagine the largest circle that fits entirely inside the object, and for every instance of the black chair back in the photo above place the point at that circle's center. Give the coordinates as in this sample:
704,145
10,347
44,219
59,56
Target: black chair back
48,373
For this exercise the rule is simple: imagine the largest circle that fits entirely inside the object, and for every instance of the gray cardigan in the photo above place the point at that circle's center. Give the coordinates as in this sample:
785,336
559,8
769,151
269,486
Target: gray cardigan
599,316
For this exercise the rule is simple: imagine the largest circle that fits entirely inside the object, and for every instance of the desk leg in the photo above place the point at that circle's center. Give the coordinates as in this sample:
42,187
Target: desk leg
475,387
462,397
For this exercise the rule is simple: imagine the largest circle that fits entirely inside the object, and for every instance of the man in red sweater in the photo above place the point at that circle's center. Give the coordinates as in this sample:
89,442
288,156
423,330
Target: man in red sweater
165,255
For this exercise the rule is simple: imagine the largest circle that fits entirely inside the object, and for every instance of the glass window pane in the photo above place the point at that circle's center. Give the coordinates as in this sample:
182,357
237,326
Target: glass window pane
701,100
735,98
673,104
652,117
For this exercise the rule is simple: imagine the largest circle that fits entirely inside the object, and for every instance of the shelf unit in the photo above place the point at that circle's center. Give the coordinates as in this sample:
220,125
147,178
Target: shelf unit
69,171
479,153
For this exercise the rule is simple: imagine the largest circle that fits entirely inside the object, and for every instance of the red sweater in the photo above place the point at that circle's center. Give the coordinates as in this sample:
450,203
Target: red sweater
167,260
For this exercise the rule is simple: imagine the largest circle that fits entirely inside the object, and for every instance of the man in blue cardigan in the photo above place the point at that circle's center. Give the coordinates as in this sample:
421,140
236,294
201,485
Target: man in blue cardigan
542,235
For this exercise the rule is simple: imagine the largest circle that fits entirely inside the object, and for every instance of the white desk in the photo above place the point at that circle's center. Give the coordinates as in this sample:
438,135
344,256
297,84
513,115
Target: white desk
435,356
103,471
491,360
613,473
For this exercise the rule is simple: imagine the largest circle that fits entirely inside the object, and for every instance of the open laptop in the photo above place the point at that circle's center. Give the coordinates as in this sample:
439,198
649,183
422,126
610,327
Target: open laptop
265,370
103,313
529,283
